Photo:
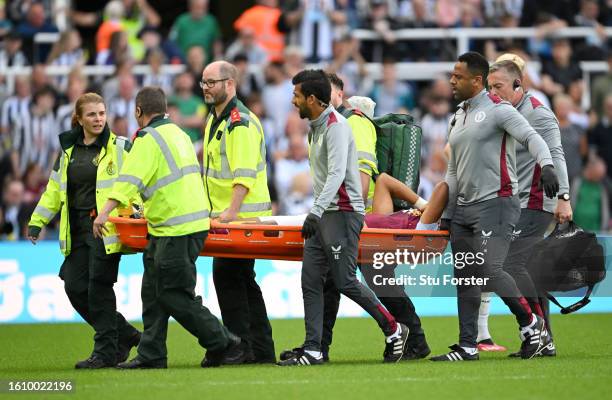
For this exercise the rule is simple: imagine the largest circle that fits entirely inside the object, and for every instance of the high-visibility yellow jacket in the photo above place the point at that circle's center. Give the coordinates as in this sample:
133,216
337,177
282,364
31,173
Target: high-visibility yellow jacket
364,133
55,198
235,155
163,168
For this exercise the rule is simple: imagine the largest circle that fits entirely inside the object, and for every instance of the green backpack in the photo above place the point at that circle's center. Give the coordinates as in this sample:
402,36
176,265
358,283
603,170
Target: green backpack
398,149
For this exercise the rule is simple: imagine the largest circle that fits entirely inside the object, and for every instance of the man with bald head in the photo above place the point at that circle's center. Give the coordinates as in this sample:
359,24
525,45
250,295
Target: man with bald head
236,184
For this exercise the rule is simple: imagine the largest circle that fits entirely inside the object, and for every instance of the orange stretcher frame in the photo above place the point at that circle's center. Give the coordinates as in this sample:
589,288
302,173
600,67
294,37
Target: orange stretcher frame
277,242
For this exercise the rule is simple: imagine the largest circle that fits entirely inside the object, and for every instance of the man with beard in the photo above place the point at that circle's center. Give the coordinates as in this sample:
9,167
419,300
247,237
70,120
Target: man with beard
334,223
236,185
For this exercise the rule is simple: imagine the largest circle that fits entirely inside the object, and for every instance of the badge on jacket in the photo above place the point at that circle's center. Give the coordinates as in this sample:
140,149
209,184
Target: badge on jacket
110,168
96,160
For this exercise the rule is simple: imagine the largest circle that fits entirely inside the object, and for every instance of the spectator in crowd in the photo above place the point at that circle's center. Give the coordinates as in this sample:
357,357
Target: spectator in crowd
198,28
36,22
155,59
602,86
311,25
35,135
560,74
349,64
590,196
77,84
34,184
191,108
448,13
12,200
600,137
381,21
40,79
113,13
392,95
422,50
119,126
246,44
118,51
66,51
12,114
263,19
294,60
593,46
123,105
498,12
435,125
573,137
276,95
196,61
10,53
248,81
137,14
86,17
110,87
152,39
292,197
5,23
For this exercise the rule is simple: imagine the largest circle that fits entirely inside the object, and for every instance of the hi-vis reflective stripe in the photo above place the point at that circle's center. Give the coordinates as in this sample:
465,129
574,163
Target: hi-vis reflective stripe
251,207
55,176
133,180
369,202
105,184
182,219
363,155
163,147
226,171
108,240
62,244
120,142
173,177
366,167
45,212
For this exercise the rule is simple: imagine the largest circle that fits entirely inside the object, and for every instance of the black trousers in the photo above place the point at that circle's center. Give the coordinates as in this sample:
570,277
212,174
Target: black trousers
168,290
397,303
89,275
333,250
485,229
242,305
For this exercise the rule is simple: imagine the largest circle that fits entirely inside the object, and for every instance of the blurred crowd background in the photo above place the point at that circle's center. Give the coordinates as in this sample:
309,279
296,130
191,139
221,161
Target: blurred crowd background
271,40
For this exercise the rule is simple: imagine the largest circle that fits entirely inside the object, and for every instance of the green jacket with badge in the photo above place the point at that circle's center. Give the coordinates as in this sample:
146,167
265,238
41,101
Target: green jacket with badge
163,168
55,198
235,154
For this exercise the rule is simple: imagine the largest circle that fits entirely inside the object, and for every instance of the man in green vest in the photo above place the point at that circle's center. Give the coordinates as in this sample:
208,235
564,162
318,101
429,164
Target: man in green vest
236,186
164,169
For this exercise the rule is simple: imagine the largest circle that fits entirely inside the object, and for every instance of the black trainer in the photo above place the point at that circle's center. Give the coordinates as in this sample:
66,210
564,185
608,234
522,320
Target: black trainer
93,362
534,338
457,354
124,348
394,350
235,353
416,351
549,350
136,363
287,354
299,358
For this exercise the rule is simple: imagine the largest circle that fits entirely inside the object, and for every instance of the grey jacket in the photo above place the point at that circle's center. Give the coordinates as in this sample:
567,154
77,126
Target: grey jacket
333,164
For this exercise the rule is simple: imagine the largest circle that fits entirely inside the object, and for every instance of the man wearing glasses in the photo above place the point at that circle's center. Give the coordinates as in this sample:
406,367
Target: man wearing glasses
236,185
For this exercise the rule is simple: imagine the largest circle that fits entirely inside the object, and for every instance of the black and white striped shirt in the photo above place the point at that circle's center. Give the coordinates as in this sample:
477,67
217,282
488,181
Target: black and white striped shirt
120,107
64,117
35,138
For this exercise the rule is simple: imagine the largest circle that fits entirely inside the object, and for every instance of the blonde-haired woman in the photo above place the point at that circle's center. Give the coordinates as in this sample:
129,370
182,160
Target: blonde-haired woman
83,174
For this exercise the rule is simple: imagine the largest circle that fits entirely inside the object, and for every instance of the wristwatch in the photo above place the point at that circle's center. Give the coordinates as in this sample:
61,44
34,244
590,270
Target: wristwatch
564,196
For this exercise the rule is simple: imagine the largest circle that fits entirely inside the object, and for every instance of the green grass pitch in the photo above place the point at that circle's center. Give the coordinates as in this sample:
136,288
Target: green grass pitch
582,370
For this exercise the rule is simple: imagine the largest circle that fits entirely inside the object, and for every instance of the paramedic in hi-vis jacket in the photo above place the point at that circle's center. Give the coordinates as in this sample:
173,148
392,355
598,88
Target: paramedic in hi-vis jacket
236,186
334,223
483,203
164,169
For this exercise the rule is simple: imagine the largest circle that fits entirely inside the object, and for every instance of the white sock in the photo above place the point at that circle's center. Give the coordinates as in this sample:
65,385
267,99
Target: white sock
427,227
395,335
315,354
470,350
483,317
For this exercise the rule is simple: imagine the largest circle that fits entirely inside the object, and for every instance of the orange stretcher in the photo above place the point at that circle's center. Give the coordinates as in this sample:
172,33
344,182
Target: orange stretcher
277,242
